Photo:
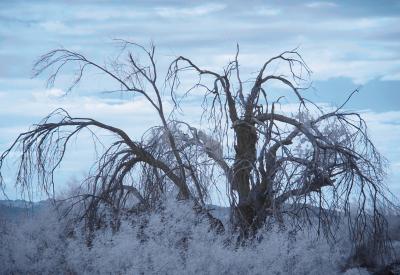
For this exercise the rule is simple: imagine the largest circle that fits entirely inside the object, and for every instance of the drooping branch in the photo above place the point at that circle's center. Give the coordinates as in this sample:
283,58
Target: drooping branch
130,81
47,142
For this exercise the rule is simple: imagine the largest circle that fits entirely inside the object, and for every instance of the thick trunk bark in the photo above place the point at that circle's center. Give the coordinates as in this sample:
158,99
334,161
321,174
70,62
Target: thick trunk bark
245,211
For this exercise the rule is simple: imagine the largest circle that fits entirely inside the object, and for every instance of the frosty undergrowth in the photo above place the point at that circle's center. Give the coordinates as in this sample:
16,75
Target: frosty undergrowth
173,240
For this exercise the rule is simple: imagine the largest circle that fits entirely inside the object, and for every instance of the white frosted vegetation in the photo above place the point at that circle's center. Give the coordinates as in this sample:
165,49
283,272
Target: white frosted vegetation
172,240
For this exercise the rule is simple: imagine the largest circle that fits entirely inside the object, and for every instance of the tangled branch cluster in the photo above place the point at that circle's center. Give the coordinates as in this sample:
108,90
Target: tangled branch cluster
311,165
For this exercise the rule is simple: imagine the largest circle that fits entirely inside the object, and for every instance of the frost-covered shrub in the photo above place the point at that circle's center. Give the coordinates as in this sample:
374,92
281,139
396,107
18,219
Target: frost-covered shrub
35,244
172,239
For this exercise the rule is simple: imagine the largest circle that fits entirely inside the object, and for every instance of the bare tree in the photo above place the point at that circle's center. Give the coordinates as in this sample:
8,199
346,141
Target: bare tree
310,164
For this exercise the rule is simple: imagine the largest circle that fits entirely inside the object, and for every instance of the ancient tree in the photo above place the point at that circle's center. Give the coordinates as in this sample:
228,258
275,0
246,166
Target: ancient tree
311,164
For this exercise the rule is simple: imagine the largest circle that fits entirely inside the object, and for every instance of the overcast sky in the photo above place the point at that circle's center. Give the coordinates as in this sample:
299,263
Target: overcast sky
347,44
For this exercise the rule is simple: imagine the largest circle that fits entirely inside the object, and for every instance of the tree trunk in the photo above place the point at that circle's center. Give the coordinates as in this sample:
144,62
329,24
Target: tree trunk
244,212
